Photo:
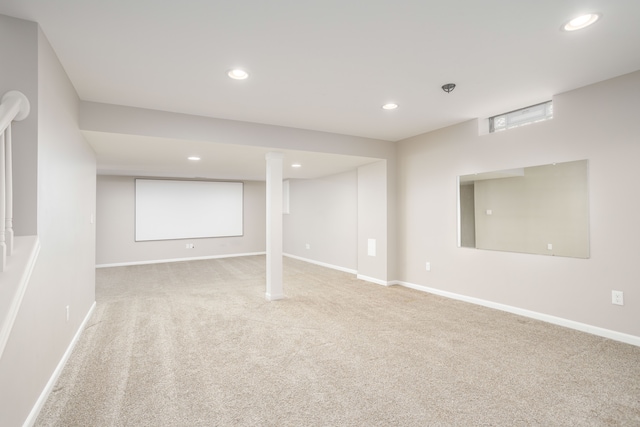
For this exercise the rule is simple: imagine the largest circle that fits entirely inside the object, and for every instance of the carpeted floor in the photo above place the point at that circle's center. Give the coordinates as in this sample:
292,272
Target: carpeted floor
196,344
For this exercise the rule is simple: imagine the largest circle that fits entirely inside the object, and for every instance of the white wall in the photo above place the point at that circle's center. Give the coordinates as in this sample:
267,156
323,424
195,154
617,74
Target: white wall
599,123
324,214
64,274
115,228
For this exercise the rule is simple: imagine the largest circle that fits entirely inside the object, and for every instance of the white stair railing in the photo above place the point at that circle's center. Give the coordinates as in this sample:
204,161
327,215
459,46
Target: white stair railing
14,106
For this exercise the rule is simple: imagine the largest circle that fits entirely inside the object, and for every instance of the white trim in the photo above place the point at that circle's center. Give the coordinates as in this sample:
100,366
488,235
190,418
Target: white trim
33,415
161,261
459,222
583,327
21,266
374,280
274,297
323,264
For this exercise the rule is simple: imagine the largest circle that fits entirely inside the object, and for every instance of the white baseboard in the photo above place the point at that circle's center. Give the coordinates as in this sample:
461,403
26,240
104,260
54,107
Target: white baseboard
33,415
346,270
374,280
323,264
161,261
583,327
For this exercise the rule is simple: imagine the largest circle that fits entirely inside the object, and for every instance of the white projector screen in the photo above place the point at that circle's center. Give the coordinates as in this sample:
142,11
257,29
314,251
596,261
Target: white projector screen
173,209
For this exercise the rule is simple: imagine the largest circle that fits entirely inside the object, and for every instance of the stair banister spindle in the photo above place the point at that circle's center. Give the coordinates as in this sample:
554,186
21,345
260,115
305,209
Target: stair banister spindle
3,245
8,185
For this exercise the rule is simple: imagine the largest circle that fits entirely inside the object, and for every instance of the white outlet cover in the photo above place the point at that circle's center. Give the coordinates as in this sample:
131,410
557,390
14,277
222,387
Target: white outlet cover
617,297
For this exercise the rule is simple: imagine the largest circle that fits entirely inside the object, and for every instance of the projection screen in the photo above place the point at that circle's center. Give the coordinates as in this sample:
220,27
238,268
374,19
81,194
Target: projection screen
179,209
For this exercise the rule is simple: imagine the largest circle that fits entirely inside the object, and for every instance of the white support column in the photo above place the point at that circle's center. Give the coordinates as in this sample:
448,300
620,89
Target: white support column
274,226
8,192
3,245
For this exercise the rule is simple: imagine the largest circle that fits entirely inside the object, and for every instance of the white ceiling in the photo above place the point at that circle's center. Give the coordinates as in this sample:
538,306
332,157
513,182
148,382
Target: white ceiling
329,65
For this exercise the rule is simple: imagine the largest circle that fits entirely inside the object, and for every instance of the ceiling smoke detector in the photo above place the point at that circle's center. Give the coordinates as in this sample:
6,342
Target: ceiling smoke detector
448,87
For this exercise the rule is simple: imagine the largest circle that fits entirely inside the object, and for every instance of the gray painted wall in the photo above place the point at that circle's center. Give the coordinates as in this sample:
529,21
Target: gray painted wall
115,228
373,222
19,71
64,274
598,123
324,214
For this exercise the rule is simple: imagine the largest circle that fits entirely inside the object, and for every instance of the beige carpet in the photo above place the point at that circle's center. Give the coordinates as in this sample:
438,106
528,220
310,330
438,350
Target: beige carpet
197,344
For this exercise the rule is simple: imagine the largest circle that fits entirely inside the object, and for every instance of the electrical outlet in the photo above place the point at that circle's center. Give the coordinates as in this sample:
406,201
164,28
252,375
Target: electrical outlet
428,266
308,246
67,308
617,298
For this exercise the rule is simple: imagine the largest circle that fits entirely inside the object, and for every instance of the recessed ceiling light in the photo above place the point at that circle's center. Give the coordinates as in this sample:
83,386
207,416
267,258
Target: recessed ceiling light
390,106
581,21
194,158
238,74
296,165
